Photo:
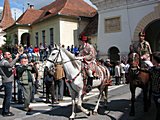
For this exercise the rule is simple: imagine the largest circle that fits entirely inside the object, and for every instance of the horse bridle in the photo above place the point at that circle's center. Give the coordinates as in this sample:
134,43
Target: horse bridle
55,62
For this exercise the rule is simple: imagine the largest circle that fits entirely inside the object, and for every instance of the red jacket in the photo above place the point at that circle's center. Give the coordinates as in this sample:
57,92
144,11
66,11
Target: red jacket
36,50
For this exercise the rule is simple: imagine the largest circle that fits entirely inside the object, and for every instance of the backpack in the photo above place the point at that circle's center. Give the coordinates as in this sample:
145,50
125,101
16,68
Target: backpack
59,72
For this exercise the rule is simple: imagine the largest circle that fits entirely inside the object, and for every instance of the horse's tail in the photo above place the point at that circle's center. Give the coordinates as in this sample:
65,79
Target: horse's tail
107,77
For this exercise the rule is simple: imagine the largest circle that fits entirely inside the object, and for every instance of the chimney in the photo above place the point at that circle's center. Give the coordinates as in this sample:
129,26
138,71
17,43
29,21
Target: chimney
31,6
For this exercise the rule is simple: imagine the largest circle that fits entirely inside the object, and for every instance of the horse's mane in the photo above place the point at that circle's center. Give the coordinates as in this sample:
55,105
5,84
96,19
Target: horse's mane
134,52
134,57
72,58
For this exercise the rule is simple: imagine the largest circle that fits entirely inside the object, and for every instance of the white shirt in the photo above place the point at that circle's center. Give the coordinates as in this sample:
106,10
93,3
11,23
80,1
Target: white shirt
122,68
117,70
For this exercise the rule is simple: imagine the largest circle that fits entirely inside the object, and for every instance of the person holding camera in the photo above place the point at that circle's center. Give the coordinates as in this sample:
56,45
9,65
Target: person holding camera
24,74
6,65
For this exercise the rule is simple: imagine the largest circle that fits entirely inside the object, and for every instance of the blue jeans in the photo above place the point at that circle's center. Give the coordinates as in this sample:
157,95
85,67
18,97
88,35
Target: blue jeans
59,87
7,97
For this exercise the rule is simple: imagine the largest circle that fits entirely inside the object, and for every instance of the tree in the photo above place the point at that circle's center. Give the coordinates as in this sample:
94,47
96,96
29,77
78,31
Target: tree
8,43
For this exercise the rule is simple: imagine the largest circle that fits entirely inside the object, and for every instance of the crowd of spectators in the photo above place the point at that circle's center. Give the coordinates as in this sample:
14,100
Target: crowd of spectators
25,71
74,49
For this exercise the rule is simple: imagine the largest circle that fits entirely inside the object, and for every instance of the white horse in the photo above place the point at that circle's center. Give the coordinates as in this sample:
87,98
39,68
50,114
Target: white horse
73,71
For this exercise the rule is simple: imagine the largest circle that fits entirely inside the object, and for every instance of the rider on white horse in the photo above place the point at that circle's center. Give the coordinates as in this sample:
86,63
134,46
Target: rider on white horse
88,55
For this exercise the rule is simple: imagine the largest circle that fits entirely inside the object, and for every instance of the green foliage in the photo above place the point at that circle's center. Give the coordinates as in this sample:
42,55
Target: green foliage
8,40
8,43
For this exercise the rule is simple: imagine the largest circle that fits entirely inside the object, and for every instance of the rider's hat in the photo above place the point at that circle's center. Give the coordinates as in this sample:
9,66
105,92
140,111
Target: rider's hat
141,33
84,38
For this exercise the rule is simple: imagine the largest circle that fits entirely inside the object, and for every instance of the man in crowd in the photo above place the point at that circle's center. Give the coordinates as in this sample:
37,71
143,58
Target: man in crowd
6,65
24,74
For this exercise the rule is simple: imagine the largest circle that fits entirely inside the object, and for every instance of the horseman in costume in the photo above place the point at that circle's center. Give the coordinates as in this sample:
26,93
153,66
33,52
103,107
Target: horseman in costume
144,49
88,55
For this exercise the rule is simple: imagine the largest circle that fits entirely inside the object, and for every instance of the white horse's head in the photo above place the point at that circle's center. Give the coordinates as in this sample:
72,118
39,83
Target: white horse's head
71,65
62,56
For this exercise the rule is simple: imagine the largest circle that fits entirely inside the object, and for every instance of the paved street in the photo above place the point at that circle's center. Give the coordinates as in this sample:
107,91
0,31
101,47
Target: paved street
41,107
118,107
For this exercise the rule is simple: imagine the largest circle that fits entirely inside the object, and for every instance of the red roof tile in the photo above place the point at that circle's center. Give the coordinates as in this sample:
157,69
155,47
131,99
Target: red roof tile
59,7
78,8
29,16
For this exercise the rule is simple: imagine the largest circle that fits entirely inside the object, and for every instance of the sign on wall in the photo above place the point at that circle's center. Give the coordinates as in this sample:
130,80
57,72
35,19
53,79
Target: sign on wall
112,25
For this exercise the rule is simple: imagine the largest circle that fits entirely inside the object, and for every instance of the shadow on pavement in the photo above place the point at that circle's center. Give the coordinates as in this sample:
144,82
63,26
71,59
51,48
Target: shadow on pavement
120,106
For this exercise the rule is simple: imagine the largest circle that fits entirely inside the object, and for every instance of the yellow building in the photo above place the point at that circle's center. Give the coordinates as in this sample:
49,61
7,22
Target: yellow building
60,22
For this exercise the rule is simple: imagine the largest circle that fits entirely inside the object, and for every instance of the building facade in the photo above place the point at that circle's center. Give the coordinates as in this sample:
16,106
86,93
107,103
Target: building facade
120,21
60,22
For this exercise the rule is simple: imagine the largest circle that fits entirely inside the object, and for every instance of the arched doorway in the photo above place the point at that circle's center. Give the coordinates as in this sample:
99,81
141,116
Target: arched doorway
114,54
149,24
25,39
153,35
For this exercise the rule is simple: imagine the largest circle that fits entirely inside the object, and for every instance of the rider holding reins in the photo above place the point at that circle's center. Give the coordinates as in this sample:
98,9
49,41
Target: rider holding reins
144,49
88,55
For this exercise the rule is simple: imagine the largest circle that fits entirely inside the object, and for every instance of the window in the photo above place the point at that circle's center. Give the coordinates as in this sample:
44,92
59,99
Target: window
112,25
51,36
43,37
37,41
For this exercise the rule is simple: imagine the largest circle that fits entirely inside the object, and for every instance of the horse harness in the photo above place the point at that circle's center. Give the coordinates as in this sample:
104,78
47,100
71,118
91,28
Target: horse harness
61,63
82,71
135,69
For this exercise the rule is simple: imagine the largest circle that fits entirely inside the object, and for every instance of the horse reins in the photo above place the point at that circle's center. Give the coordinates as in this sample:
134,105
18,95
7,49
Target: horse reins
55,62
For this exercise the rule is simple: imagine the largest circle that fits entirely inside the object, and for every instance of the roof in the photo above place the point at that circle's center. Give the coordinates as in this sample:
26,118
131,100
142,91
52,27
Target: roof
75,8
7,19
29,16
92,26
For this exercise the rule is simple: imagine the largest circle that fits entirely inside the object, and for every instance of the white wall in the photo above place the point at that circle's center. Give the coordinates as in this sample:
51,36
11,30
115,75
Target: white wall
130,17
20,32
136,14
117,39
46,25
67,29
2,33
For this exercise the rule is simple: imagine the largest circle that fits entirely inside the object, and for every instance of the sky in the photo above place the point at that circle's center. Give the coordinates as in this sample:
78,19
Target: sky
19,6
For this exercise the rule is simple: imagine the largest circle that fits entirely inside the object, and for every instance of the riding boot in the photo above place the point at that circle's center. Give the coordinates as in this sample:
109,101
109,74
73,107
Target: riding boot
89,84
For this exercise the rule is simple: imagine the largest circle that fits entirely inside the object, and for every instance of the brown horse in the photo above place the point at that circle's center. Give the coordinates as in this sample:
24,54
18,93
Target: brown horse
138,77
